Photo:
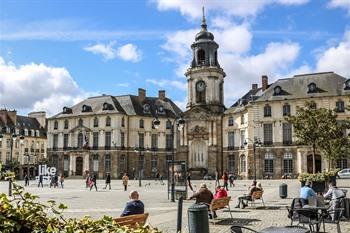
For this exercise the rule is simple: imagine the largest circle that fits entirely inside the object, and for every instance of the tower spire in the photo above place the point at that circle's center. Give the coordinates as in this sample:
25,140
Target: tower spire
204,23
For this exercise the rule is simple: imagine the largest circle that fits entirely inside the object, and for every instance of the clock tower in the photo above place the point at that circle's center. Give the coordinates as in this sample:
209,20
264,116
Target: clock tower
201,138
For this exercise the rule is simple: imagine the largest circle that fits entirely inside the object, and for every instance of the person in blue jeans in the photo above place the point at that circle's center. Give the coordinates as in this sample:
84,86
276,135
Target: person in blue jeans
134,206
306,192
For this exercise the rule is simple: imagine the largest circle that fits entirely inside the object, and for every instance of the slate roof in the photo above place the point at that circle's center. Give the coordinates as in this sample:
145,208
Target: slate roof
124,104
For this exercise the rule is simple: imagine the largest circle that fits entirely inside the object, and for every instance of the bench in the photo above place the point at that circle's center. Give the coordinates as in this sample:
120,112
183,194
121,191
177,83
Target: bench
132,221
221,203
257,195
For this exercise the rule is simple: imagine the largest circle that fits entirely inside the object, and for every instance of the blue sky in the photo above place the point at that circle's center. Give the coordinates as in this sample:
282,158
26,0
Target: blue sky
55,53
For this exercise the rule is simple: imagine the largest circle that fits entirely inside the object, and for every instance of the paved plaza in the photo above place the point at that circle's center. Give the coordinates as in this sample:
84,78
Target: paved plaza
81,201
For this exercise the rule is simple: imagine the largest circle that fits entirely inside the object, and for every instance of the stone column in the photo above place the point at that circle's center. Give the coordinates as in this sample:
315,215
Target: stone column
71,165
86,161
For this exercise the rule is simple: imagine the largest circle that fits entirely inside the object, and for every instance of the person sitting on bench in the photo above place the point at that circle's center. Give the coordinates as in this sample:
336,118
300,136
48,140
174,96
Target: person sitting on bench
220,192
203,196
254,187
134,206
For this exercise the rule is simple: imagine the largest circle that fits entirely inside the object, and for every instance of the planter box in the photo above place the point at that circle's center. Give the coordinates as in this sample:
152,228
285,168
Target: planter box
319,187
332,178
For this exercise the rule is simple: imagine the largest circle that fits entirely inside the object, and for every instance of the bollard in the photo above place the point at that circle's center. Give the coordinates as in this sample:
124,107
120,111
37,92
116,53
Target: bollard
198,219
283,190
179,214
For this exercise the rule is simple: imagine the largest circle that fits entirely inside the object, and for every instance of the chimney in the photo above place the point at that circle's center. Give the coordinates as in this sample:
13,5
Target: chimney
142,94
40,117
254,86
13,116
161,94
264,82
5,114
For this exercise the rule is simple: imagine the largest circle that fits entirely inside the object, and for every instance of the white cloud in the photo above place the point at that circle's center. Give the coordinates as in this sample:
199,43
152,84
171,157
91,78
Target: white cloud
168,83
242,8
340,3
123,84
127,52
37,87
181,103
106,50
336,58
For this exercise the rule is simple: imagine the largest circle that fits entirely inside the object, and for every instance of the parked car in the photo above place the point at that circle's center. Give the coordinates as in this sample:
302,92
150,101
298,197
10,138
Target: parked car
207,177
345,173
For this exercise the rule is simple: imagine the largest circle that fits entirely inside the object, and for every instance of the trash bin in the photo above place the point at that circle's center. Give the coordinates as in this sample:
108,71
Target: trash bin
198,219
283,190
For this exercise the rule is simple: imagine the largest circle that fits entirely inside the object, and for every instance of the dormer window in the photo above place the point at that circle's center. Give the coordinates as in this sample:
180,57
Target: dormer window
146,108
312,88
160,109
347,85
230,121
267,110
67,110
340,107
277,90
55,125
86,108
107,106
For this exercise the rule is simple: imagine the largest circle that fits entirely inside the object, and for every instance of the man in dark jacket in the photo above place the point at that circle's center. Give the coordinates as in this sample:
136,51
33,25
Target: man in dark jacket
203,196
134,206
108,181
94,180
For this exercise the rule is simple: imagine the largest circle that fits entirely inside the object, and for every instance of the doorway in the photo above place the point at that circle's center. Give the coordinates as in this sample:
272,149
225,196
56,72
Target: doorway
79,166
318,163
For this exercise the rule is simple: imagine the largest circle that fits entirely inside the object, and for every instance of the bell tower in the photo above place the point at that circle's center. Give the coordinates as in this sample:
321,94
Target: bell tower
205,77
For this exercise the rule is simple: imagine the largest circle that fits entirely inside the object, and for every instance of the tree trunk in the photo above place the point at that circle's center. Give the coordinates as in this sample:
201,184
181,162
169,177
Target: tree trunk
313,159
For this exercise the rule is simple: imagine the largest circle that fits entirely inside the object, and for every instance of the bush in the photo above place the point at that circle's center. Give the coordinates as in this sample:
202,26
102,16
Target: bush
317,177
25,214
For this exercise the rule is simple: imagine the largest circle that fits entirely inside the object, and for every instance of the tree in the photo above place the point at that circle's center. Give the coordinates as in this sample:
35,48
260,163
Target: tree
319,129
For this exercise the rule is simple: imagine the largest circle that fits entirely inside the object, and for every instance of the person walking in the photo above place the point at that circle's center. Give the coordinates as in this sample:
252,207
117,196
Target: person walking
125,179
232,179
108,181
62,180
40,181
225,178
93,180
26,180
217,178
189,181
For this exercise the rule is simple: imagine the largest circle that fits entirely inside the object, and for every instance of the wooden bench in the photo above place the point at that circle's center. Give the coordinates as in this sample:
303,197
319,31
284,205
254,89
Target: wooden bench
132,221
221,203
257,195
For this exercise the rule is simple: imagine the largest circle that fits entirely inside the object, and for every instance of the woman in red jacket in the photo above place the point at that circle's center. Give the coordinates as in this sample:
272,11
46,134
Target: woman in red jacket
220,192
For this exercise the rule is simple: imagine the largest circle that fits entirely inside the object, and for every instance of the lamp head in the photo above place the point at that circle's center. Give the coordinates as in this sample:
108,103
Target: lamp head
245,142
181,123
156,123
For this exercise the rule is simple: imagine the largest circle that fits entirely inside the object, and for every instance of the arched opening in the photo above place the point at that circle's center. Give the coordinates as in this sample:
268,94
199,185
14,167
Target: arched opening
201,57
243,164
79,166
318,163
199,155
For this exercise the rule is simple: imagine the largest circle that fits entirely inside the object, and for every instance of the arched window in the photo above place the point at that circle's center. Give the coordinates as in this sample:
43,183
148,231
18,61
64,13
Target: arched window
95,122
243,163
231,163
230,121
55,125
123,122
286,110
288,163
66,124
80,140
200,91
201,57
141,124
267,110
168,124
268,163
108,121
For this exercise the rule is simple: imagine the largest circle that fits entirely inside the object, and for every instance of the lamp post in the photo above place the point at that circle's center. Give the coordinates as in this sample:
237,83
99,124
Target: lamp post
140,150
13,137
255,142
179,122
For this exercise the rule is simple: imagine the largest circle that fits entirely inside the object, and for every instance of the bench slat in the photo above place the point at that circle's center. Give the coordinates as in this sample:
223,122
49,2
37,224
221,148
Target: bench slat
132,220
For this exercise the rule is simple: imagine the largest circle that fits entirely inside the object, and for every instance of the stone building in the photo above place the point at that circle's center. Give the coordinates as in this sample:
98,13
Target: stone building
113,134
28,136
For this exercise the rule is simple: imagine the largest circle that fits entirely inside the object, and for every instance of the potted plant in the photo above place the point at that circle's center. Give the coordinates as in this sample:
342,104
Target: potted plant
317,179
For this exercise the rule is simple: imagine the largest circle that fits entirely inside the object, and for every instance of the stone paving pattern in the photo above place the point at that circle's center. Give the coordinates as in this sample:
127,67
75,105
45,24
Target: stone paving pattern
163,213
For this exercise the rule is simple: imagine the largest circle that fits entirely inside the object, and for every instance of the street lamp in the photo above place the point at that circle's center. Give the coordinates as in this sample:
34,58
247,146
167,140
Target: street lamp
255,143
140,150
179,122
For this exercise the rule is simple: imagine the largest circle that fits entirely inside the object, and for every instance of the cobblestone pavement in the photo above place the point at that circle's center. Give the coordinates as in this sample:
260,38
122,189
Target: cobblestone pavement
163,213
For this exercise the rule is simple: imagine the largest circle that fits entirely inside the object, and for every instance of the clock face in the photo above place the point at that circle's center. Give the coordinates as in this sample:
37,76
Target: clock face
200,86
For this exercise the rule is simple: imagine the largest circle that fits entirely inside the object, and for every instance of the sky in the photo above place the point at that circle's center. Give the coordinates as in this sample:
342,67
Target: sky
57,53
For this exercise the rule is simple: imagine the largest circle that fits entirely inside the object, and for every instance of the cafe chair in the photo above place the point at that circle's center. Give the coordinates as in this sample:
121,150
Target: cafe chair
309,217
332,217
241,229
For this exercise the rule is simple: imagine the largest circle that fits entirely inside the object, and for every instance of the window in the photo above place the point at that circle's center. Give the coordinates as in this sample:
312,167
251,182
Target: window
95,163
313,105
267,111
123,122
287,133
288,163
55,161
55,125
95,140
268,164
231,164
108,163
168,124
277,90
141,162
231,140
154,163
242,138
108,121
122,164
8,157
81,122
230,121
66,124
55,142
141,140
268,134
141,124
122,139
154,141
66,163
146,108
168,159
242,119
108,140
201,57
342,163
312,88
168,141
80,140
340,106
95,122
65,141
286,110
243,166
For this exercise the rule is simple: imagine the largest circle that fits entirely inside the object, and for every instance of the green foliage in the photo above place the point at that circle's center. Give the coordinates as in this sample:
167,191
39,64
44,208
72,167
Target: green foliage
24,213
317,177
